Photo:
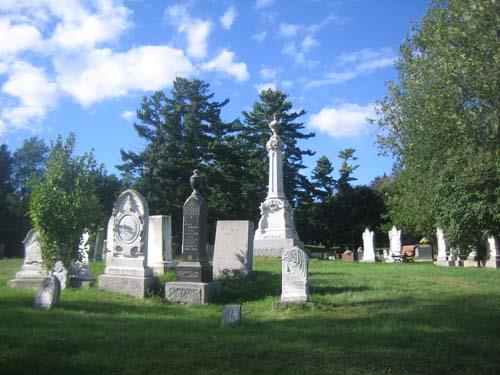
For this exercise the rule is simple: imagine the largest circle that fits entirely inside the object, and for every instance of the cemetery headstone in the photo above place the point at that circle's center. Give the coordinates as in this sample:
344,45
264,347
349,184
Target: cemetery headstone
294,275
160,244
276,229
494,259
48,294
127,271
395,243
233,254
368,246
32,272
61,273
424,252
472,259
80,275
231,315
443,259
109,240
194,278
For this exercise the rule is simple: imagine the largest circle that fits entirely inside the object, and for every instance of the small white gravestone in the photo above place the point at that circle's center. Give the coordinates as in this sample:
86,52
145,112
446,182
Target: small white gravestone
368,246
395,241
443,258
233,252
160,243
294,275
48,294
32,272
494,260
79,273
127,271
231,315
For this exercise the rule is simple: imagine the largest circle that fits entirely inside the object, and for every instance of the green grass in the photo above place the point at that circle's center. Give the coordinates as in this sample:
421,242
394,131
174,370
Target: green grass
366,319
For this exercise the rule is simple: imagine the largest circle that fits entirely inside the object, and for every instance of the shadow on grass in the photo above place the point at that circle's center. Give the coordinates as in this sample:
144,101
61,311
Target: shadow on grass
322,290
256,286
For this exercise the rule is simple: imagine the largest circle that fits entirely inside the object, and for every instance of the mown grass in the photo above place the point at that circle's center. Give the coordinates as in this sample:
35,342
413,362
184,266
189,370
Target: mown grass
366,319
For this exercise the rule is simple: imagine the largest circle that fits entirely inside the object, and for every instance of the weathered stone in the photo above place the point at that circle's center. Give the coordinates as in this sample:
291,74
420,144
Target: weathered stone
494,258
368,246
48,294
109,240
32,271
233,254
276,229
160,244
61,273
190,292
395,241
231,315
424,253
442,258
126,269
294,275
194,274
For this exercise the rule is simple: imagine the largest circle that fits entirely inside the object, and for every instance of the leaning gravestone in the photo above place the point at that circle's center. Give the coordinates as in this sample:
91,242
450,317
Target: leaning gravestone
294,276
368,246
233,254
32,272
194,280
48,294
160,244
127,271
494,260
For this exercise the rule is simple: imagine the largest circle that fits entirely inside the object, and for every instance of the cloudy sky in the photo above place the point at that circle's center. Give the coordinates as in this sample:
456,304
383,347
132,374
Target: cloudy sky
83,66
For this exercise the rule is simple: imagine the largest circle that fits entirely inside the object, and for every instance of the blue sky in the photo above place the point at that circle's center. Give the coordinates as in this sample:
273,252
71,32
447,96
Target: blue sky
83,66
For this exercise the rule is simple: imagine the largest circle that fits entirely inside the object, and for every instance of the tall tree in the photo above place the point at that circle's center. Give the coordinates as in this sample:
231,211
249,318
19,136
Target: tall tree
253,140
441,120
346,169
322,178
8,217
184,132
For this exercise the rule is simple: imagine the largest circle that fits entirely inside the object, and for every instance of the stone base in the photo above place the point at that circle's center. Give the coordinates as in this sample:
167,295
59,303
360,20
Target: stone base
445,263
135,286
493,264
471,263
28,283
274,248
191,293
194,272
284,304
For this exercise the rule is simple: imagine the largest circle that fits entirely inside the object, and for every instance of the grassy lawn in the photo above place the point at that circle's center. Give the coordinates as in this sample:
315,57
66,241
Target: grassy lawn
367,319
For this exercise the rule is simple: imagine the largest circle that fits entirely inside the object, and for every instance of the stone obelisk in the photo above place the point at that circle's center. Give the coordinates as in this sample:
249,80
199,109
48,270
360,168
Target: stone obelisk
276,230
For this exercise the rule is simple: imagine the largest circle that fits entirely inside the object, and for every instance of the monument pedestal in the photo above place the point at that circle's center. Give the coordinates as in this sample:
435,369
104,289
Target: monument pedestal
135,286
32,283
274,247
445,263
191,292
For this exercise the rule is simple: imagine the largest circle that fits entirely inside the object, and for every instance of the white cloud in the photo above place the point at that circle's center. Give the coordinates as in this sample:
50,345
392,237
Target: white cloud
309,42
228,18
289,30
287,84
224,62
268,73
259,37
103,74
35,95
259,4
128,115
196,30
354,64
346,120
265,86
15,38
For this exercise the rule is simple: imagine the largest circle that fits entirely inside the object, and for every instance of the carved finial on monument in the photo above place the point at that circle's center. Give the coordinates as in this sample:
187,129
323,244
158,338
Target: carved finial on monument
274,125
196,181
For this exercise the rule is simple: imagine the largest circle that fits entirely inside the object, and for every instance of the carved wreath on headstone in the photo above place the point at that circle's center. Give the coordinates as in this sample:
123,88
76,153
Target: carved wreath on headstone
296,260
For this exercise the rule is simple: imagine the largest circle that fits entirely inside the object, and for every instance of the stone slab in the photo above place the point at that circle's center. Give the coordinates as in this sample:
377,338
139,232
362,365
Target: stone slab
472,263
445,263
191,293
231,314
138,287
27,283
275,247
233,254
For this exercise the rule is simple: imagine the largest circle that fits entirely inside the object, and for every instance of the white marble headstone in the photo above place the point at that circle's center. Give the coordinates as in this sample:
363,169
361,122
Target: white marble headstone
441,242
294,277
395,240
160,243
368,246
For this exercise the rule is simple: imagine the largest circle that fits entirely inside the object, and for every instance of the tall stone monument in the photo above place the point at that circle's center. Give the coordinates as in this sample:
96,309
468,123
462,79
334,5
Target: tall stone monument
443,259
160,244
276,229
194,279
368,246
395,241
32,272
127,271
233,253
494,261
294,275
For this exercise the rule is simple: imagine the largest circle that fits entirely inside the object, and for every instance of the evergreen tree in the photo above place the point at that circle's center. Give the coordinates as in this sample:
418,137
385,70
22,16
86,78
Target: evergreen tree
346,169
322,179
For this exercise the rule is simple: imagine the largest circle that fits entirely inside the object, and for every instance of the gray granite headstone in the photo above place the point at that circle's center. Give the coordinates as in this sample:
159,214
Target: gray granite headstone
231,315
48,294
